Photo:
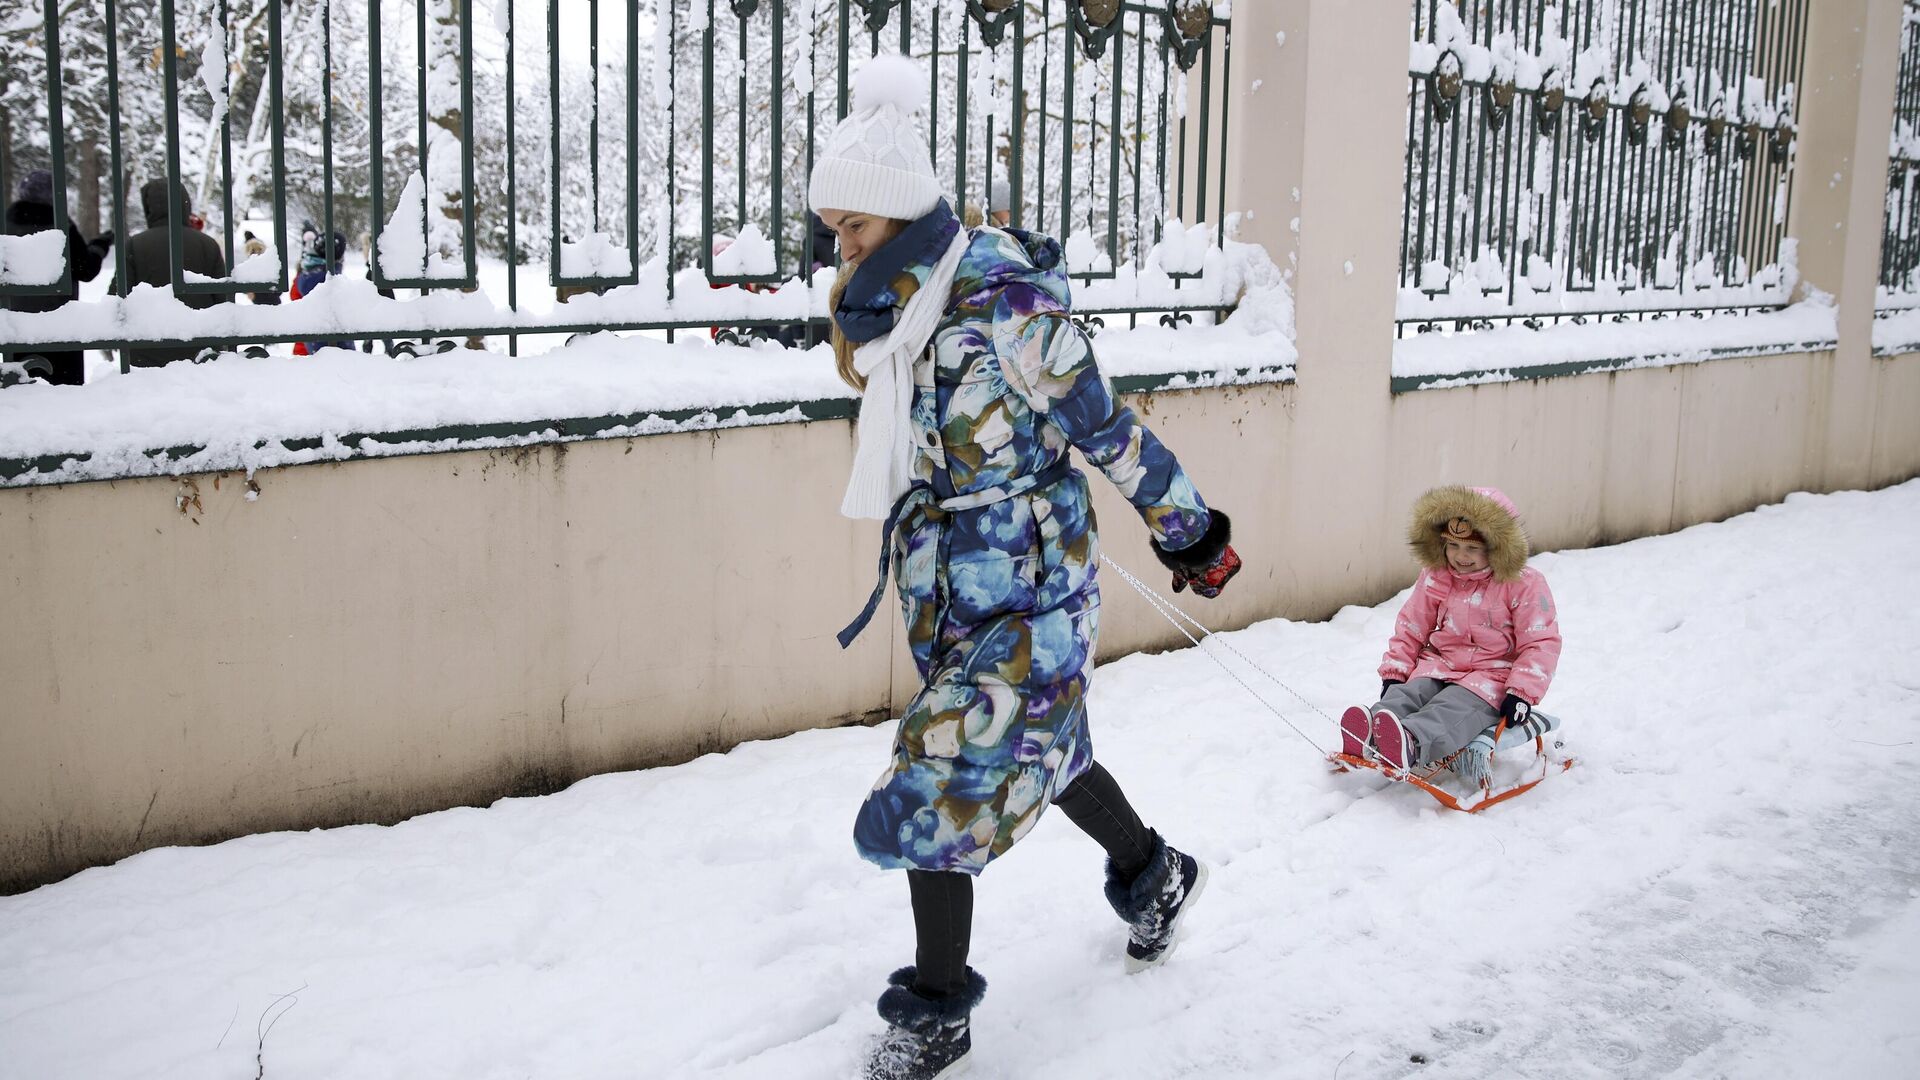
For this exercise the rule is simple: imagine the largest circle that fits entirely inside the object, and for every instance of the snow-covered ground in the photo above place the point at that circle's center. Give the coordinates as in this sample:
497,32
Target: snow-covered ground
1726,885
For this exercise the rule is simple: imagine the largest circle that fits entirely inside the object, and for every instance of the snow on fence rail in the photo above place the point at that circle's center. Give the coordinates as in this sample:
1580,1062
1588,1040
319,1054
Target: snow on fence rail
251,412
1590,160
623,144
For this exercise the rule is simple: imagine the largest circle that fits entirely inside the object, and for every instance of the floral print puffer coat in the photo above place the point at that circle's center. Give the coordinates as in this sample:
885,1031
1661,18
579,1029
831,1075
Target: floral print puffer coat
994,558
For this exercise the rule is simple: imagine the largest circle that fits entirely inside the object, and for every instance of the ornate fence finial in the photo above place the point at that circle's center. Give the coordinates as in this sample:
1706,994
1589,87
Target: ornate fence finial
1193,17
877,11
1678,117
1594,119
1716,126
1547,106
1444,85
993,18
1499,103
1781,142
1639,117
1095,21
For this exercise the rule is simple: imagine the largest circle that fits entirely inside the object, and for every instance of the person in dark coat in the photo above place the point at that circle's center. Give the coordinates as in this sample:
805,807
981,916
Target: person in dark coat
148,263
32,212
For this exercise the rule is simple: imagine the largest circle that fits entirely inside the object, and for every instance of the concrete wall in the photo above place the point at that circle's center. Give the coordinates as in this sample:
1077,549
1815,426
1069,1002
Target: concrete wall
374,639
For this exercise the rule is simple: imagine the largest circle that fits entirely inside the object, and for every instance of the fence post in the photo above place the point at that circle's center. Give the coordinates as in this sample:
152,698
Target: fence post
1846,117
1328,122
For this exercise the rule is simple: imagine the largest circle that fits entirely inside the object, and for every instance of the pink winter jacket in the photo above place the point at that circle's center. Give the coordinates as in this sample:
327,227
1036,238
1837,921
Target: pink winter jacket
1492,637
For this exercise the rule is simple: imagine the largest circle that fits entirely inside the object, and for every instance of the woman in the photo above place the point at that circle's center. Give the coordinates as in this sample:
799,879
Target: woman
974,385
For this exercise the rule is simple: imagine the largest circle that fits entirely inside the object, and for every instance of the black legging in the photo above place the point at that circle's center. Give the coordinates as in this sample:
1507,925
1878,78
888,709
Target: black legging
943,899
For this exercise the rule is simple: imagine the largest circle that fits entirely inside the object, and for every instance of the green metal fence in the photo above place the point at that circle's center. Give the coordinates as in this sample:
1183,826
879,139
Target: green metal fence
442,139
1900,243
1597,159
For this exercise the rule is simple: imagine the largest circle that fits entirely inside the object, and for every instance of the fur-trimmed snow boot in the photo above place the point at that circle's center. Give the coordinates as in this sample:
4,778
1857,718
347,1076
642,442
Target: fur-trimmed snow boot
927,1038
1154,901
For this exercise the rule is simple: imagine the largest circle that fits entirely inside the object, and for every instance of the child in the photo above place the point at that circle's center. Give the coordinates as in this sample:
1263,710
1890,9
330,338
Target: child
316,267
1476,643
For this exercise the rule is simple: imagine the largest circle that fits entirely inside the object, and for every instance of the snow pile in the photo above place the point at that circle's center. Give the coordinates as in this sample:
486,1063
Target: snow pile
1449,359
261,269
401,247
1181,250
1220,274
599,255
34,259
1725,885
403,250
1085,256
749,255
1897,331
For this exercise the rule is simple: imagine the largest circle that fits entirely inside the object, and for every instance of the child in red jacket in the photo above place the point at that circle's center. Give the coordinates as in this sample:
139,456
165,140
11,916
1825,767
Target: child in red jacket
1474,645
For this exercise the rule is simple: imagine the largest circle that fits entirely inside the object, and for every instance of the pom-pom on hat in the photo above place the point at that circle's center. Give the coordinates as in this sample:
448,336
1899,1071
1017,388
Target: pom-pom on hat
875,161
36,187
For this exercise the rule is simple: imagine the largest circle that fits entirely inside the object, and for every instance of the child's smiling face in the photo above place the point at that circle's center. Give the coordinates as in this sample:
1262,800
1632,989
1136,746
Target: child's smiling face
1466,556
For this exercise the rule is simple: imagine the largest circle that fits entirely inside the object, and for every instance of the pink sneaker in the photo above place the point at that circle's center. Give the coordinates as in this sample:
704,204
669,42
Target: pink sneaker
1355,730
1391,740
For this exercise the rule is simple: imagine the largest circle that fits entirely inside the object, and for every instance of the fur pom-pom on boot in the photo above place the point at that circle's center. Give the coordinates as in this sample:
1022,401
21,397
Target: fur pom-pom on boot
1153,902
927,1038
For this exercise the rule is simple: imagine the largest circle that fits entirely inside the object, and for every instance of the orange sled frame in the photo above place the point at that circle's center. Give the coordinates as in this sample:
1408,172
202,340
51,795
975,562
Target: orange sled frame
1478,800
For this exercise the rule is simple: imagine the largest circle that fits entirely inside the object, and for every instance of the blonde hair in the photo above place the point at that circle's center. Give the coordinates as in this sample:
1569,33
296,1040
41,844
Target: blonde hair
842,348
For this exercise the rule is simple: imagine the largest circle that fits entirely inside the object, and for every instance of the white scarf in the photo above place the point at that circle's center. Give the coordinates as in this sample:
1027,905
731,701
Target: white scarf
883,462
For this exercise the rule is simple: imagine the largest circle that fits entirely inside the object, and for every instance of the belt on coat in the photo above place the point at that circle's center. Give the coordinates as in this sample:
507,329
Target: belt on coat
922,495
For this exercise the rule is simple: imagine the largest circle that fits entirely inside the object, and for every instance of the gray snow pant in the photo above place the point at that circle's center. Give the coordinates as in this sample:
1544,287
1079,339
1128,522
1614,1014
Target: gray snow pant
1440,716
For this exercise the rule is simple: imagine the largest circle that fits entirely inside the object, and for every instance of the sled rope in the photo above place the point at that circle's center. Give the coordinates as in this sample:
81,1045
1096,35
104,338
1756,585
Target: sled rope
1169,612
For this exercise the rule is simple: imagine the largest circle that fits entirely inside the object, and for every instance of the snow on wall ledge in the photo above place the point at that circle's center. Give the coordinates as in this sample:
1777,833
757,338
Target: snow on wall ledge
244,413
1896,332
1441,359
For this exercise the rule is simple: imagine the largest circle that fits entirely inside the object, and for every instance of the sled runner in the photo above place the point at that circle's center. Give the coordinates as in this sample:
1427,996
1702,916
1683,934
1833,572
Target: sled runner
1496,790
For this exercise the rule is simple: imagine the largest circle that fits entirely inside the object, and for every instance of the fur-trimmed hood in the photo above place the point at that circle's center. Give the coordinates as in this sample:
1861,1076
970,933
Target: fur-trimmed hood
1491,514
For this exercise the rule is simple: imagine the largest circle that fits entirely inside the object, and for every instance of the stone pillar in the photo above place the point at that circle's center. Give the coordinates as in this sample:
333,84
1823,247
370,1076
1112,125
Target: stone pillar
1318,131
1840,173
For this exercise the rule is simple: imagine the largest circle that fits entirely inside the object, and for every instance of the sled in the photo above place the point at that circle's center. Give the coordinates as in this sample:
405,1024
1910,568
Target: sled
1532,775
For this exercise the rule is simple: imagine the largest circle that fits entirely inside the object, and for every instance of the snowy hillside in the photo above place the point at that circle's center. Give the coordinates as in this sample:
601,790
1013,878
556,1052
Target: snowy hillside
1726,885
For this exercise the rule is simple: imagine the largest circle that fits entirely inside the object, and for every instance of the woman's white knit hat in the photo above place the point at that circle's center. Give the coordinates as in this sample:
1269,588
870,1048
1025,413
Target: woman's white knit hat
876,162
